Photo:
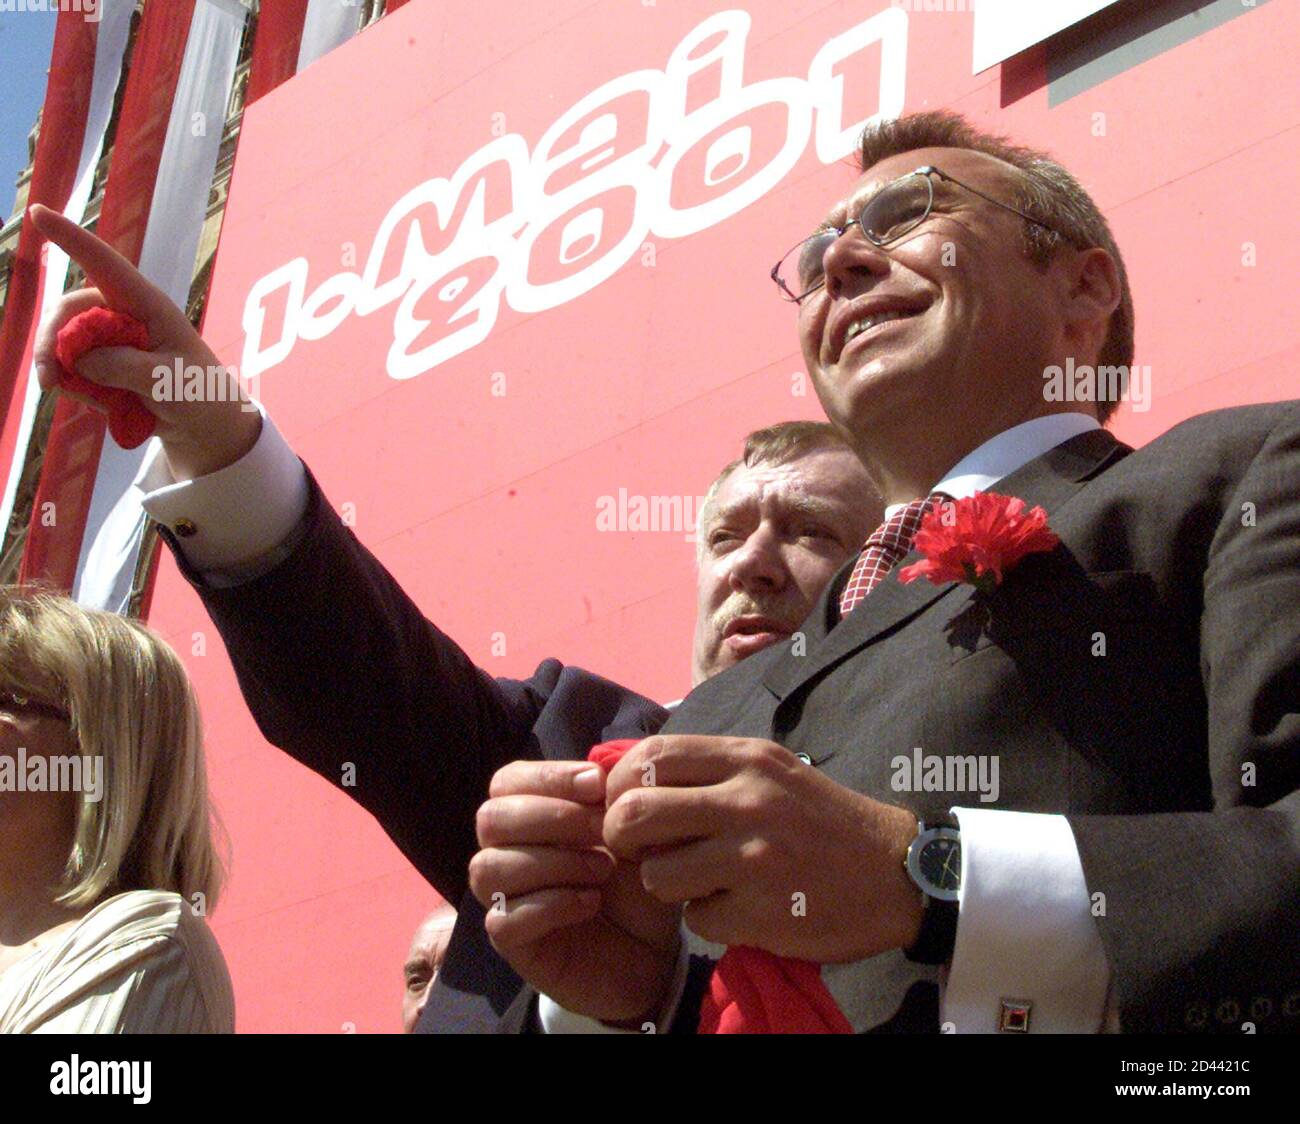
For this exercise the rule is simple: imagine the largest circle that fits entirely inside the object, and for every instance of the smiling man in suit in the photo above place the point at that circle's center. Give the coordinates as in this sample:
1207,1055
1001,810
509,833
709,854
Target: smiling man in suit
1137,686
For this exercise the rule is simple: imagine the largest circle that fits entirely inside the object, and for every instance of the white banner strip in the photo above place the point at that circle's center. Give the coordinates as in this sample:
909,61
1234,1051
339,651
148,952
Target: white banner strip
328,24
116,522
1006,27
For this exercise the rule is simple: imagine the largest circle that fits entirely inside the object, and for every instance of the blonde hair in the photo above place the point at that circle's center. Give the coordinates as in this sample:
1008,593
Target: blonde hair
131,706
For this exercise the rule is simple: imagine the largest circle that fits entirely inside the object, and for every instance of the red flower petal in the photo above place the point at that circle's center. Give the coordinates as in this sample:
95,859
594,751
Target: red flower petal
984,534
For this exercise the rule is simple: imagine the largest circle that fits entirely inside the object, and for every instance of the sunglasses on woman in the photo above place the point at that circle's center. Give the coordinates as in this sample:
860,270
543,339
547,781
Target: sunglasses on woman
21,704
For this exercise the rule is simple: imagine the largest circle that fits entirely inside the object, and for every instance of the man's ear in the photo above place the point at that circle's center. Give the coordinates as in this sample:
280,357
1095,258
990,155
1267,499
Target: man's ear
1090,292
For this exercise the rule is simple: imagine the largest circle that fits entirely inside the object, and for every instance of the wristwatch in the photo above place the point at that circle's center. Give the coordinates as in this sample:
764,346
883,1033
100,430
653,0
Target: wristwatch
934,864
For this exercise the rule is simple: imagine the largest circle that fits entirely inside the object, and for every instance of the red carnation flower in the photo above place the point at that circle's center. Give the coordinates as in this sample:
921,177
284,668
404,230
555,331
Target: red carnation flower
978,540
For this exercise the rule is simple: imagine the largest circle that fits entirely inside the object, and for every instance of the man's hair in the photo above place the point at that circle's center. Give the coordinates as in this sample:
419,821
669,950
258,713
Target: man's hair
1047,192
131,706
772,445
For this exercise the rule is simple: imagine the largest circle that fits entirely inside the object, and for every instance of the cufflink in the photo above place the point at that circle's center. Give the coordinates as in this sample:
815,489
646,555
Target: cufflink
1014,1016
185,528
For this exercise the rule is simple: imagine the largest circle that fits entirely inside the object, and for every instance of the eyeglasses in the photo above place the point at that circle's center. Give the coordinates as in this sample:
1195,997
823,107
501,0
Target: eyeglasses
23,705
895,210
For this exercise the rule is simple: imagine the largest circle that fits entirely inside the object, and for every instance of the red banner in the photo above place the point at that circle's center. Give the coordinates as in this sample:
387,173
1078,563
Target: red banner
275,50
503,273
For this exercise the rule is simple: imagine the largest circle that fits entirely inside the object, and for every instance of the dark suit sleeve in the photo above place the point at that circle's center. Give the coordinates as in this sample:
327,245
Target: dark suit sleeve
343,672
1202,921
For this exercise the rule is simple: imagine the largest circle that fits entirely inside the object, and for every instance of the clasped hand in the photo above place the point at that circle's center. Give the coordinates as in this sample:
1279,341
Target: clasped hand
586,877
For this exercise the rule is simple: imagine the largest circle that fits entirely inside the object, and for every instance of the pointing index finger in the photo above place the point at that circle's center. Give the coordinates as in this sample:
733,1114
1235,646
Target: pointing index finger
124,287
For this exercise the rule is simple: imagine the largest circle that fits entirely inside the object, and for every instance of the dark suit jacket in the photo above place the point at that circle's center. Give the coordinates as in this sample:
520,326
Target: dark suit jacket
338,665
1175,754
1183,557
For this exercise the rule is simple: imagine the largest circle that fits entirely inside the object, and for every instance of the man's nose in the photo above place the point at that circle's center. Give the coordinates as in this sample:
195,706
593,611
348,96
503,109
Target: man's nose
853,263
757,567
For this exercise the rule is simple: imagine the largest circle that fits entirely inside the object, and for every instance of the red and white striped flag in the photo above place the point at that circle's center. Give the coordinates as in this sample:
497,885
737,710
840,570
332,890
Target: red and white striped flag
85,68
155,201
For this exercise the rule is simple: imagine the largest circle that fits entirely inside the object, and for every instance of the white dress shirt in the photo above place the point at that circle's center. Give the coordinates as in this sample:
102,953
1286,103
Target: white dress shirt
1025,930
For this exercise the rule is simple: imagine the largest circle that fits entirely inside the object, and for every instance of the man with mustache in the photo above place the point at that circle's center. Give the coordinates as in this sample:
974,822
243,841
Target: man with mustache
337,664
770,530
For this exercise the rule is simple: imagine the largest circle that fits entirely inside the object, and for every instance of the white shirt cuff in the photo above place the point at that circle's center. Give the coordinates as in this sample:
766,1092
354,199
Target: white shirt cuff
237,515
554,1019
1026,933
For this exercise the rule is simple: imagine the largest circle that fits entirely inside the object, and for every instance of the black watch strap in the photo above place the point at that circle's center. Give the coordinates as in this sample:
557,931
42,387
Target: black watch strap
938,934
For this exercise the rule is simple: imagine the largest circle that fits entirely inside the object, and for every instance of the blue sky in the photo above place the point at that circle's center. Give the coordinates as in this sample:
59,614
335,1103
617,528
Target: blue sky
26,39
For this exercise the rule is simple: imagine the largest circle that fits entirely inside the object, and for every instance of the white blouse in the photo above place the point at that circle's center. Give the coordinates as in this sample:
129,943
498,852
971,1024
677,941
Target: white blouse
138,963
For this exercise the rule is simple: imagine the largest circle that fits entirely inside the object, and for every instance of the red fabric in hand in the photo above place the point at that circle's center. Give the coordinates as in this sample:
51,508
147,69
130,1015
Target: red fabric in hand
609,754
129,419
757,992
753,991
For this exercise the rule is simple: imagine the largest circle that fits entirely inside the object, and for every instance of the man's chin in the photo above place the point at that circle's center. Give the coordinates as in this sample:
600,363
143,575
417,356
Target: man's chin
857,398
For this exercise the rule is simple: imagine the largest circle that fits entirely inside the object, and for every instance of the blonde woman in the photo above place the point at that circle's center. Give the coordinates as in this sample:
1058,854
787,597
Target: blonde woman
107,864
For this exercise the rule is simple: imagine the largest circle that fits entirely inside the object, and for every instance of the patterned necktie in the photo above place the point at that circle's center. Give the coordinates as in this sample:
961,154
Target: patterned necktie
888,545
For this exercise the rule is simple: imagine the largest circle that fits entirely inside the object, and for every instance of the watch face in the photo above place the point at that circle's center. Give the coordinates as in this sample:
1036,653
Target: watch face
940,863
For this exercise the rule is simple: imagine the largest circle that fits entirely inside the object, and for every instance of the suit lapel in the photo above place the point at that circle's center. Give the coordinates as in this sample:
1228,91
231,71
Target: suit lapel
1048,481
